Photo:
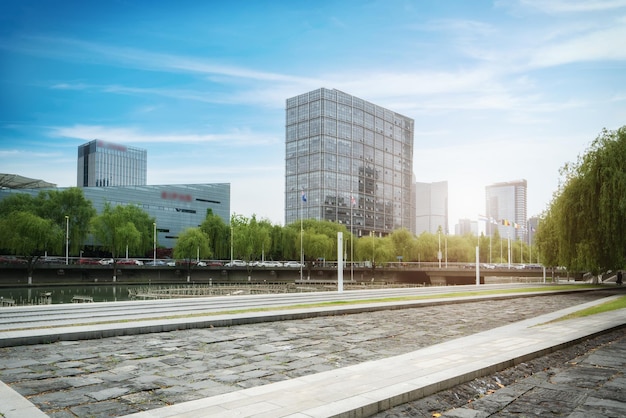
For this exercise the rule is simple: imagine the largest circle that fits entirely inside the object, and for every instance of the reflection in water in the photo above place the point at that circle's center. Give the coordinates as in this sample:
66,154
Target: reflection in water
64,294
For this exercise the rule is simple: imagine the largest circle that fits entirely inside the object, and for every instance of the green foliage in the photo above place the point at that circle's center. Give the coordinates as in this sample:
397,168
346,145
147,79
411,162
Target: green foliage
120,227
26,234
53,206
584,228
56,205
192,243
218,234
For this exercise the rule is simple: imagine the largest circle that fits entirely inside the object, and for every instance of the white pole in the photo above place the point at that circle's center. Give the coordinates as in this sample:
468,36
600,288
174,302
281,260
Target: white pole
446,247
509,248
339,262
477,267
154,244
439,250
301,235
67,239
351,241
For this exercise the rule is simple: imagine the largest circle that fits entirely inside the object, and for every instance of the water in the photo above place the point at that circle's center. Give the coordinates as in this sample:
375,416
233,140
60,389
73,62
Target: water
64,294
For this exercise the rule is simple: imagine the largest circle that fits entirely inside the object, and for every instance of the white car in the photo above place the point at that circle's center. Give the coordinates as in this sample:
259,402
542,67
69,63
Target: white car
270,264
236,263
106,261
293,264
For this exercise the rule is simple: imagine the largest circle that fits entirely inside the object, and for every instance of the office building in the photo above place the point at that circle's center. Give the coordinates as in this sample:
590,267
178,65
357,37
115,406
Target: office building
348,161
105,164
431,207
175,207
506,207
466,227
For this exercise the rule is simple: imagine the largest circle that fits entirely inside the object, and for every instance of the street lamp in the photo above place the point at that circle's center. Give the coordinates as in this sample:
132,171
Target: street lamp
154,244
439,250
67,239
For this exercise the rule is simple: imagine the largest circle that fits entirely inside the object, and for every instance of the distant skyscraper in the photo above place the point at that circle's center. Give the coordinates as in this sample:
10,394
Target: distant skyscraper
506,207
351,160
431,207
104,164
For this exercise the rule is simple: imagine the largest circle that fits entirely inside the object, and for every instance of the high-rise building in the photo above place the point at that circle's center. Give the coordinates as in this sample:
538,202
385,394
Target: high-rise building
105,164
506,207
431,207
348,161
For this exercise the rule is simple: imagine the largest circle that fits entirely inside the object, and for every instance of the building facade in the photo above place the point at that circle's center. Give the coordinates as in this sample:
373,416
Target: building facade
174,207
431,207
348,161
507,208
105,164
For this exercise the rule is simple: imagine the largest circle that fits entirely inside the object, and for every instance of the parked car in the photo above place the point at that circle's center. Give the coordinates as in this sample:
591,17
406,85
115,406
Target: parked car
106,261
270,264
215,263
51,260
88,261
293,264
9,259
171,263
155,263
236,263
130,262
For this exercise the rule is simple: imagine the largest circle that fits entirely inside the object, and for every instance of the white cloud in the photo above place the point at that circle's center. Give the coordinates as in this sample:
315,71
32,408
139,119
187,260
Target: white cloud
136,136
601,45
573,6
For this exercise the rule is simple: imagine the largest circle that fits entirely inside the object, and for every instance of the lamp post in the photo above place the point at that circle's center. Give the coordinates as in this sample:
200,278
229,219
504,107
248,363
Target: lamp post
154,244
439,251
67,239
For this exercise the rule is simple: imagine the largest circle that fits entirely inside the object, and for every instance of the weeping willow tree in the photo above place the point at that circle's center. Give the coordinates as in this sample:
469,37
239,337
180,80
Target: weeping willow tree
584,228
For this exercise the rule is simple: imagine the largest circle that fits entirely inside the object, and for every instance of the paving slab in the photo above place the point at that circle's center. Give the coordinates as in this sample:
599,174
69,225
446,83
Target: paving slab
291,349
365,389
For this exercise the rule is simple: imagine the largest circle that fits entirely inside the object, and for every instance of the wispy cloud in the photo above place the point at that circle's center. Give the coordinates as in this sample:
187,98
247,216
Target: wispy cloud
600,45
136,136
573,6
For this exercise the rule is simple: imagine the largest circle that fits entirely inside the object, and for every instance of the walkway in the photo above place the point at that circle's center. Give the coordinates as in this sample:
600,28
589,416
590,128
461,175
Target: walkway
114,373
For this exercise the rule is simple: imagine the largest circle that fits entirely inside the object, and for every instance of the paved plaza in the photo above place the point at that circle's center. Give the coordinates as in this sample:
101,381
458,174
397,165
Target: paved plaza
118,376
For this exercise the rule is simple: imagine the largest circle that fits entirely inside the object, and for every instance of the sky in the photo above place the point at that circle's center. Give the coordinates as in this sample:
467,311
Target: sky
500,90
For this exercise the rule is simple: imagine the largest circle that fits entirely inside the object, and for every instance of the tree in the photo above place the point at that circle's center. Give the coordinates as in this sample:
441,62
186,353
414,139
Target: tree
192,243
403,245
56,205
218,233
26,234
123,228
585,221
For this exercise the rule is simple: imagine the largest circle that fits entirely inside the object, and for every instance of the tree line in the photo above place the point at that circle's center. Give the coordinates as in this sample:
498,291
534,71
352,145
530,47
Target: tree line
583,229
32,226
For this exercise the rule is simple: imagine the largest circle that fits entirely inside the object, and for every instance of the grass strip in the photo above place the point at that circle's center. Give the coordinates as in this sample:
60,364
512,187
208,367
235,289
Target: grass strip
613,305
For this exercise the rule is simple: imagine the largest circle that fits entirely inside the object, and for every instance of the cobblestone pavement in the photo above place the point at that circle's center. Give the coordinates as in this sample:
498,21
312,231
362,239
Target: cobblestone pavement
582,381
121,375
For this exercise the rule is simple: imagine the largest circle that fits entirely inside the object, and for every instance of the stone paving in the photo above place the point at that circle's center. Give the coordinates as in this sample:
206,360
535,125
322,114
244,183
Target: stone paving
121,375
580,381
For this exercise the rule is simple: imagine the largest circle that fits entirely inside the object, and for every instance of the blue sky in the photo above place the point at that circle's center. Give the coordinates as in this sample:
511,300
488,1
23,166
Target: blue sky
500,90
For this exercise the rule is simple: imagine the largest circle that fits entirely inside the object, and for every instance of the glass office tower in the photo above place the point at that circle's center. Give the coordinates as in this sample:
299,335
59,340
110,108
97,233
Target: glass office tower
506,207
348,161
104,164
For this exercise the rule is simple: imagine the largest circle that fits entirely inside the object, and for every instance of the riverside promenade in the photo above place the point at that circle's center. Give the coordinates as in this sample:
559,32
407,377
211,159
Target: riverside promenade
353,365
